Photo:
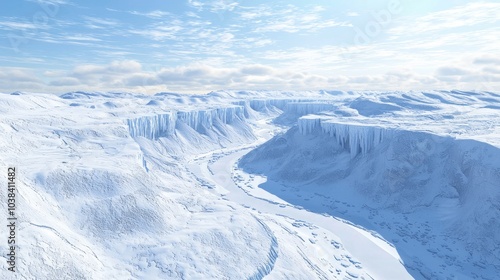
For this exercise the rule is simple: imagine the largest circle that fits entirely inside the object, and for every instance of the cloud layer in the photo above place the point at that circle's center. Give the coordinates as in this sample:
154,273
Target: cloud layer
198,46
131,76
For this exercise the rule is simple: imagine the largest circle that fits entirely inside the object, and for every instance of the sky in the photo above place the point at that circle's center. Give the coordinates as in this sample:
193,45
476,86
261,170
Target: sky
191,46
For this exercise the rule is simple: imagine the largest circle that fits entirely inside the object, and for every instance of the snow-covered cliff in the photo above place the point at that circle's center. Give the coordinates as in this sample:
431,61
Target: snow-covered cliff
206,118
357,138
267,105
307,107
163,125
153,127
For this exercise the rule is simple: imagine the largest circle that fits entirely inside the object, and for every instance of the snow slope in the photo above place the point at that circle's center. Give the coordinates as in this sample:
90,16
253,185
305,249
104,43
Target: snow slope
148,187
84,192
428,182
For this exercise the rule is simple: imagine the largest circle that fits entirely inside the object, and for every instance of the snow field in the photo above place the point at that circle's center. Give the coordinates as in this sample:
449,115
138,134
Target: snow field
127,186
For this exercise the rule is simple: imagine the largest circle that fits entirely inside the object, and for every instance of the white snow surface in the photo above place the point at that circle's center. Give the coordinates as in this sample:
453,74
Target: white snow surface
254,185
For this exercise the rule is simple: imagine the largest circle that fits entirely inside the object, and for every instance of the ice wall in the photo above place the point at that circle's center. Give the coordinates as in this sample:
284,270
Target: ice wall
246,107
296,106
163,125
153,127
357,138
304,108
206,118
264,105
308,125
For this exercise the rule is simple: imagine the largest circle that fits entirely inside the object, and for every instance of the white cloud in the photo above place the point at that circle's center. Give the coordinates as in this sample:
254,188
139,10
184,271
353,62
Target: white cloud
153,14
452,71
15,25
258,70
223,5
254,42
162,31
487,59
289,19
158,34
66,81
493,70
51,2
466,74
65,39
18,75
441,39
462,16
80,37
193,77
191,39
215,6
324,59
196,4
100,23
192,14
14,79
131,76
90,73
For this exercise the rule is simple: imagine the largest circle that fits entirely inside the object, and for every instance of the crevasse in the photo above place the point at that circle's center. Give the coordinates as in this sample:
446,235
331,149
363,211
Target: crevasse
164,125
357,138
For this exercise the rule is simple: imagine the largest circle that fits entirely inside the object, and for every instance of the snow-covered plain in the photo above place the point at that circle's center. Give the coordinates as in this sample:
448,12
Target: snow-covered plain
254,185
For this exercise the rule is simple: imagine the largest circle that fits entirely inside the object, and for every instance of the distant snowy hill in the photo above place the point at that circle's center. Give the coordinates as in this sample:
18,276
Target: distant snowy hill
254,185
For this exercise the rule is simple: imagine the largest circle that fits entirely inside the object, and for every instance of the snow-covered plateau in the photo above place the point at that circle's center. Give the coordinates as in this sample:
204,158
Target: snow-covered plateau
253,185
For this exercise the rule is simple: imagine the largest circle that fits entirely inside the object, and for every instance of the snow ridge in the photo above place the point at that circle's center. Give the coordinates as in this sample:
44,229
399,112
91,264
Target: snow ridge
357,138
266,268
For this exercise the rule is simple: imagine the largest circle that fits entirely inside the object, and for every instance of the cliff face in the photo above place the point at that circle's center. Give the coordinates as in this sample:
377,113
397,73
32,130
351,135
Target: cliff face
356,138
164,125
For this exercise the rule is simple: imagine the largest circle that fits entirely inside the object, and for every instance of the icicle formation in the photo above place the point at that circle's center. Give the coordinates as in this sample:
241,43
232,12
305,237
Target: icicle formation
307,125
205,118
153,127
357,138
163,125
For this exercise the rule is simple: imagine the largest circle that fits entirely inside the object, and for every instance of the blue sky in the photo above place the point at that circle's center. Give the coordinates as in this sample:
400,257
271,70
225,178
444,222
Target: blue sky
197,46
